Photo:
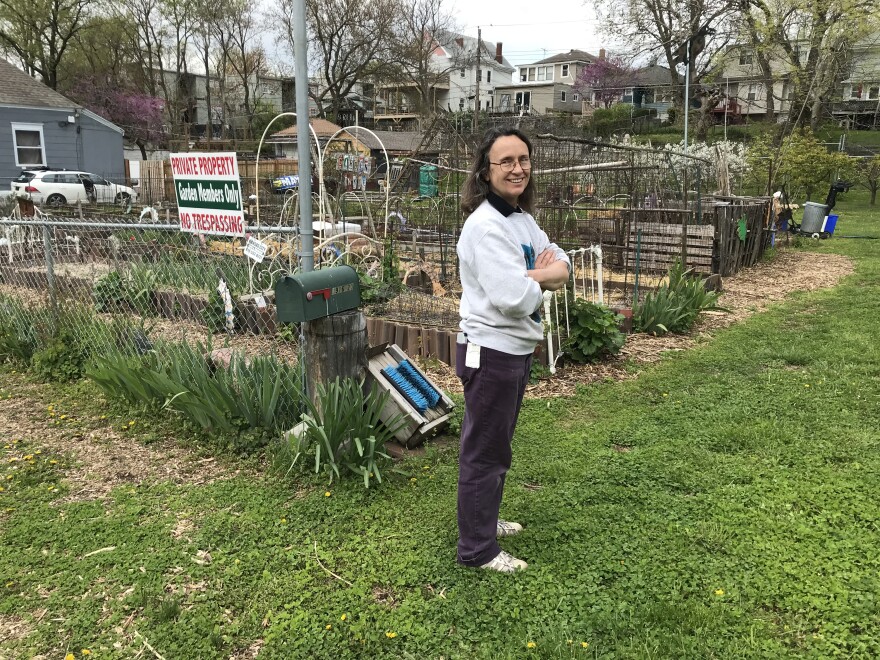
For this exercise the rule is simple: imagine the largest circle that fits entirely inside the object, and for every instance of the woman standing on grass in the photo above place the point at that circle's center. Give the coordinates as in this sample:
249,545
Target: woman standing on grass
506,263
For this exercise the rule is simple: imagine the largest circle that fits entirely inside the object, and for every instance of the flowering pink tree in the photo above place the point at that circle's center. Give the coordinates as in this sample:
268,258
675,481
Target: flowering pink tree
140,115
605,79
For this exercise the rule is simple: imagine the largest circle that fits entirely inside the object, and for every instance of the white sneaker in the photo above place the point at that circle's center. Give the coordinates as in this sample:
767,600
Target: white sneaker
505,563
505,528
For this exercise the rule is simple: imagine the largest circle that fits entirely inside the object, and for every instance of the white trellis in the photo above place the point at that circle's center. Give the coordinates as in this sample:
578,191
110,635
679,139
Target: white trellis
587,283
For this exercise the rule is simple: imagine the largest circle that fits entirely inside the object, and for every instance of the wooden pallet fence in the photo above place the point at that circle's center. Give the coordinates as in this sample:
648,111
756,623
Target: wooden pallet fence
732,252
660,245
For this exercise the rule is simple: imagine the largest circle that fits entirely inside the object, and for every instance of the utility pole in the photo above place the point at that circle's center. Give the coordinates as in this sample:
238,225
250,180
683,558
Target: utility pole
476,122
687,91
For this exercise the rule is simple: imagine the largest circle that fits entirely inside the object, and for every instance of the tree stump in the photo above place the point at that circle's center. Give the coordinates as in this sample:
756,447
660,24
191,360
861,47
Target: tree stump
335,346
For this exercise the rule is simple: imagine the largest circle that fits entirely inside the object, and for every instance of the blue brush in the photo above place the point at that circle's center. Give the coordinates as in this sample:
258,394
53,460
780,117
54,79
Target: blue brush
422,385
409,391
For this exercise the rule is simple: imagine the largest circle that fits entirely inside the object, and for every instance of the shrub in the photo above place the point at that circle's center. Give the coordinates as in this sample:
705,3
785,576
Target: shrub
214,315
109,292
343,430
262,393
675,305
594,331
114,291
18,335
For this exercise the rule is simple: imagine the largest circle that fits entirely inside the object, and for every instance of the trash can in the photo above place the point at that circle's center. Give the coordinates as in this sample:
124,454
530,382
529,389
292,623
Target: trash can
428,181
814,217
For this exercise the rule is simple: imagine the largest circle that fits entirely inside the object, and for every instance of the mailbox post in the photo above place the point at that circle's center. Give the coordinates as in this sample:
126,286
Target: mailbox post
327,301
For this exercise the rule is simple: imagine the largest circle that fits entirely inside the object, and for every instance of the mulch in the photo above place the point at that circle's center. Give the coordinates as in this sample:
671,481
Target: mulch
750,291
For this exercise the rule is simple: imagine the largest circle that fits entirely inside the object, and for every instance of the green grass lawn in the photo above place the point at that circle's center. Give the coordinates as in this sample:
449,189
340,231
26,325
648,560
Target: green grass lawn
724,504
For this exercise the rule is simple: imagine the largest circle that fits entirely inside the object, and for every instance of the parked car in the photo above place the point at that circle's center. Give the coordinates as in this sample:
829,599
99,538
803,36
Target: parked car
54,187
284,183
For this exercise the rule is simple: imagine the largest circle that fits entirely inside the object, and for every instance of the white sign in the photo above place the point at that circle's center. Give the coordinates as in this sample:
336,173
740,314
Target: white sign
255,250
208,193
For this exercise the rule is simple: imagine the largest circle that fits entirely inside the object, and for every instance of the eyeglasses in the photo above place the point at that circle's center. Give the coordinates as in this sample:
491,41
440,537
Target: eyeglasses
508,164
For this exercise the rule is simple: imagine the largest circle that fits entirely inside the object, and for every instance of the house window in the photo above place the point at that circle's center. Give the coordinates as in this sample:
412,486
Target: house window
28,142
873,92
575,97
627,95
745,57
531,73
489,76
505,101
565,71
753,92
564,97
523,100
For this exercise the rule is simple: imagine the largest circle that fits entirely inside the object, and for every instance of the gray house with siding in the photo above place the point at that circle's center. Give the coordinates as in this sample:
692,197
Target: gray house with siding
40,127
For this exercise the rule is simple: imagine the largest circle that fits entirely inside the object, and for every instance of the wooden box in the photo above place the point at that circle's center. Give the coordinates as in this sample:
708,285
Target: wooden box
419,426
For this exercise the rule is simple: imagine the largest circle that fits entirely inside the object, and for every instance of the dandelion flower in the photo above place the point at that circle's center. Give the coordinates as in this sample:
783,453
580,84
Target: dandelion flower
283,520
327,494
531,645
86,652
131,423
585,644
328,627
719,592
2,489
70,656
53,462
342,618
103,416
413,480
63,417
390,635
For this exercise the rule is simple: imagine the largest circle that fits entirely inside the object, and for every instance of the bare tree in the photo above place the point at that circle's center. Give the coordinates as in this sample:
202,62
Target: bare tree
348,39
687,33
417,37
245,59
209,14
39,32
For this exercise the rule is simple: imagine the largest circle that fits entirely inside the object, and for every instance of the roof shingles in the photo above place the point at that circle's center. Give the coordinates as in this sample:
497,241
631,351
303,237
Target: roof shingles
20,90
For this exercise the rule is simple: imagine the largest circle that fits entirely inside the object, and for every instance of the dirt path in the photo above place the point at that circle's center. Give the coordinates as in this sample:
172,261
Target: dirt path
750,291
103,458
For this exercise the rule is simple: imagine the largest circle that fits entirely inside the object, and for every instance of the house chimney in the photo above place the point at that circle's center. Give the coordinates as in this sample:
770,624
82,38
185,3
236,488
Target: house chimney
498,57
460,41
601,53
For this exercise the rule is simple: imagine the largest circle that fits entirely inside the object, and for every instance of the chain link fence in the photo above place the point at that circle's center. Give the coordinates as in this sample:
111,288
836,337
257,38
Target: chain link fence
125,285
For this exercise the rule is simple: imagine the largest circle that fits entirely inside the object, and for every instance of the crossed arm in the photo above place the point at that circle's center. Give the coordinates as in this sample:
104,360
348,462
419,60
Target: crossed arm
551,273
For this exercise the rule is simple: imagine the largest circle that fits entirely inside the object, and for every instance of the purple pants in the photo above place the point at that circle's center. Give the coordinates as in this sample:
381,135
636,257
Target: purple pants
493,395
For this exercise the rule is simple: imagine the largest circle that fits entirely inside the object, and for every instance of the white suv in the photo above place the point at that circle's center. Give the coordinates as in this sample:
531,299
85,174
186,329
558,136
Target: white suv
59,187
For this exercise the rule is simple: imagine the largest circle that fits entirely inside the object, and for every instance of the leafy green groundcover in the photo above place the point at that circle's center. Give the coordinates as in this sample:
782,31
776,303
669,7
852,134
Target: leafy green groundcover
724,504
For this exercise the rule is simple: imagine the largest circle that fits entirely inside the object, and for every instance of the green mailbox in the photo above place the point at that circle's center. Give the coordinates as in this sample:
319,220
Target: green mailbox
318,293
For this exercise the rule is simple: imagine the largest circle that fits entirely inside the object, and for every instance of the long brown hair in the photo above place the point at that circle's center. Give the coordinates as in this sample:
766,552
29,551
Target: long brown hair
476,187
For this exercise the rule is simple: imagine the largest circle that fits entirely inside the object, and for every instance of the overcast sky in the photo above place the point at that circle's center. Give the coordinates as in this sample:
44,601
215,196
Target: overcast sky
531,29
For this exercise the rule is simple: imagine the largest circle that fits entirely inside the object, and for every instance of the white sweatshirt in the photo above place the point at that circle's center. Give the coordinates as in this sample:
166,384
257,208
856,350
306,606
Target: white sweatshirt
500,303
